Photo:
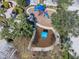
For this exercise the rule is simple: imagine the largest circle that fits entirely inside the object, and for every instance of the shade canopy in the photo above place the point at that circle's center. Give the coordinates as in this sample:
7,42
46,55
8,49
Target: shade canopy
39,7
44,35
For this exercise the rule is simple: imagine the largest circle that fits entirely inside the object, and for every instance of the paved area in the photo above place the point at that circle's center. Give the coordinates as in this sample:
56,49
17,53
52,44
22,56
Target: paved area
7,51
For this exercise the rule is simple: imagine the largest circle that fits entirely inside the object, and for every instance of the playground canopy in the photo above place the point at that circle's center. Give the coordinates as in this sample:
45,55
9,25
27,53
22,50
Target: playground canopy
40,7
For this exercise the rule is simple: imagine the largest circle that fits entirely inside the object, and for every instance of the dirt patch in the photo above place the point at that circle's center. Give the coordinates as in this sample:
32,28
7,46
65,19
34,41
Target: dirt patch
21,44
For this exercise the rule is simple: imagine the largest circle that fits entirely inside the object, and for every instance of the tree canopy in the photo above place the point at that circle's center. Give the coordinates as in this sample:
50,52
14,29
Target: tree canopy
65,22
18,27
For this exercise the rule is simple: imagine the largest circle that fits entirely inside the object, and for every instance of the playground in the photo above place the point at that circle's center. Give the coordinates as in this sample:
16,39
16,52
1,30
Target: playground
44,33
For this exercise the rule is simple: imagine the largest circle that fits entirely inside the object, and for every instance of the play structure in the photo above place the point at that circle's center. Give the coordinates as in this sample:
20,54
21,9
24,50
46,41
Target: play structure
40,7
44,37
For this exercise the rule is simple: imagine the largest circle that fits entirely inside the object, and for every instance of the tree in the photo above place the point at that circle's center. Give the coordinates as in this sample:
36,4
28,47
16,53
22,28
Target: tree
18,27
65,22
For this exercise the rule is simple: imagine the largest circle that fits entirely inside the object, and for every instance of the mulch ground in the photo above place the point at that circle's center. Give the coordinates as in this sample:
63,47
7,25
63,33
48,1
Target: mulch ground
50,40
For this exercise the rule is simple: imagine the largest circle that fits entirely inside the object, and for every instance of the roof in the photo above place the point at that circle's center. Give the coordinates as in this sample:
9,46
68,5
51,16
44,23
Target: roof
39,7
